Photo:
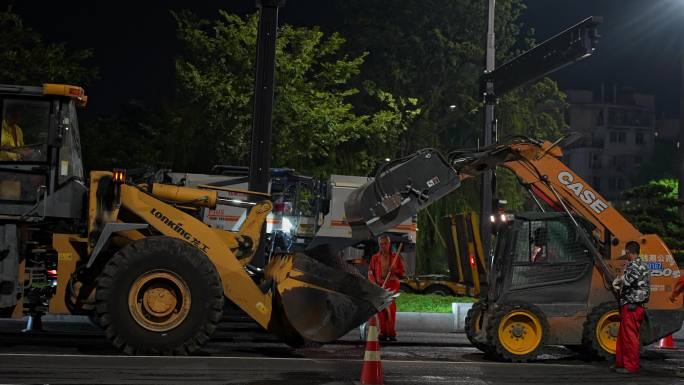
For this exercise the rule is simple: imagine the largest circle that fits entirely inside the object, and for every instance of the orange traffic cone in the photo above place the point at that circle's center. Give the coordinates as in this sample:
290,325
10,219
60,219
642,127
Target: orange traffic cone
666,342
371,373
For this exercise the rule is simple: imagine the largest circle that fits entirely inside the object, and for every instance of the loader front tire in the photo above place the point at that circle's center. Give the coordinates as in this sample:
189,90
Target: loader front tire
159,296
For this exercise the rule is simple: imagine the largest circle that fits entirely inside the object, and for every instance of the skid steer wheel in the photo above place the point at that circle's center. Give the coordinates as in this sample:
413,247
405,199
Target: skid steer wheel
474,326
159,296
517,331
599,335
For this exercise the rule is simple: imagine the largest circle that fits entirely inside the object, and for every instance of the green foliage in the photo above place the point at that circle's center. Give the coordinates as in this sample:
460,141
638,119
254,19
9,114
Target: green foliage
662,164
653,208
315,125
25,59
428,303
434,50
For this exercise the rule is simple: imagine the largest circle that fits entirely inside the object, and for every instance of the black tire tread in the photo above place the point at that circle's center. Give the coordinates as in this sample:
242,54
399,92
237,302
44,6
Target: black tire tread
590,345
470,327
123,259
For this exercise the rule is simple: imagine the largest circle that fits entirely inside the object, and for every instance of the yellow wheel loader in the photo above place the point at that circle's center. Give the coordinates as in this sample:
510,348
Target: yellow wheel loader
137,257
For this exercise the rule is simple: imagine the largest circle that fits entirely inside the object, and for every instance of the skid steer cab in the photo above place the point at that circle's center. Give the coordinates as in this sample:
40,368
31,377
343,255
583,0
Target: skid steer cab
137,258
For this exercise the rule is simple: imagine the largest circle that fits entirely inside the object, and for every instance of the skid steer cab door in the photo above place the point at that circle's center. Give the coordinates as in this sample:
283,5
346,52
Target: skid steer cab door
41,171
547,261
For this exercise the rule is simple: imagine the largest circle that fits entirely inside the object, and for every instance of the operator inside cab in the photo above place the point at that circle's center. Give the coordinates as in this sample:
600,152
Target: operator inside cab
12,139
539,250
23,140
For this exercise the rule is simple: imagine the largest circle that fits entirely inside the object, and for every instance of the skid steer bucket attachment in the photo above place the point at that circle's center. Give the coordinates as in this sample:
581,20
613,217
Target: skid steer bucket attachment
318,302
401,189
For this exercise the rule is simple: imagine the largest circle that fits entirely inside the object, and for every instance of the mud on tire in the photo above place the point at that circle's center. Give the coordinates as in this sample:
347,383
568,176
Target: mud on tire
200,302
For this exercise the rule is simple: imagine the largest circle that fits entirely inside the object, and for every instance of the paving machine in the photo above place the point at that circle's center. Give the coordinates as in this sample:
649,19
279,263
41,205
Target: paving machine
137,257
551,272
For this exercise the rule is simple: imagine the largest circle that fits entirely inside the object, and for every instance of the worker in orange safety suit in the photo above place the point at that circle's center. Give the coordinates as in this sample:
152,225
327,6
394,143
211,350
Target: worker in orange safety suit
385,265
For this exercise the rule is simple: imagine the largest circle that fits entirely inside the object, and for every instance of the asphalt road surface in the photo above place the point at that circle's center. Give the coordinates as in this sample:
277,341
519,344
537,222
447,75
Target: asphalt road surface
76,352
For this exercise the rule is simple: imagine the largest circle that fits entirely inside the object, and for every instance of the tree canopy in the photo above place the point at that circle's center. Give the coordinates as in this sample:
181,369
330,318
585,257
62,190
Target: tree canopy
434,51
27,60
316,127
383,80
653,209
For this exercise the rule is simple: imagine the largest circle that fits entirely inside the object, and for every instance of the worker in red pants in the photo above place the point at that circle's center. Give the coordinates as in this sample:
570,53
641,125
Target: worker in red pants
676,291
385,265
634,288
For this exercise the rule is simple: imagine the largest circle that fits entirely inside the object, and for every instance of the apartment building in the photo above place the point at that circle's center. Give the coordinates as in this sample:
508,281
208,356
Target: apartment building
619,134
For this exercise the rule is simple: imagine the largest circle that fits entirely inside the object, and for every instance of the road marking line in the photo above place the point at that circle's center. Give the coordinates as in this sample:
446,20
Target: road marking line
488,363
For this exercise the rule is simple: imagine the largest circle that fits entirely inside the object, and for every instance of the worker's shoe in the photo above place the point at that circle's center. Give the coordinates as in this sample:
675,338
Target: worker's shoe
624,371
382,338
392,338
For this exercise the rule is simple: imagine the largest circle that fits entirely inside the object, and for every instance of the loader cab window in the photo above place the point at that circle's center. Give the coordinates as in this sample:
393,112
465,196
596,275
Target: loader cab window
23,142
25,126
548,250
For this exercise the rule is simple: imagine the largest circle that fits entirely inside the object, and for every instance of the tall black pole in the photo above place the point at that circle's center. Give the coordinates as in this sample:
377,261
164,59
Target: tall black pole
264,80
260,162
489,133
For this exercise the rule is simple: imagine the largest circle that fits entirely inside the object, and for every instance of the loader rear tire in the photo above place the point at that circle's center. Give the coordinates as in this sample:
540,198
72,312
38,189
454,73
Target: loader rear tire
517,331
159,296
474,326
599,335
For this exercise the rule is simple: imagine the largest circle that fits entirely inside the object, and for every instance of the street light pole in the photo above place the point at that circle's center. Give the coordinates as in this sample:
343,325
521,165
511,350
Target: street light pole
489,133
264,82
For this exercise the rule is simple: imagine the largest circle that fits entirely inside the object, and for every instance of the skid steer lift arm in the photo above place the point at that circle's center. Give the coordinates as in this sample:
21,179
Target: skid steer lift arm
407,185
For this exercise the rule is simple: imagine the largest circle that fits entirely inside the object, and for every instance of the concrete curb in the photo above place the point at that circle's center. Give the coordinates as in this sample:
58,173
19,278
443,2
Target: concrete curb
435,322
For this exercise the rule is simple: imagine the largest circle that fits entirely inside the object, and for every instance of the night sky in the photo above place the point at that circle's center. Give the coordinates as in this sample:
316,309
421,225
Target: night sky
134,42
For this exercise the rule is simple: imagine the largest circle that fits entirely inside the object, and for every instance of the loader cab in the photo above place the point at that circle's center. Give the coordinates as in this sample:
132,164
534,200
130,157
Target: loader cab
41,169
539,258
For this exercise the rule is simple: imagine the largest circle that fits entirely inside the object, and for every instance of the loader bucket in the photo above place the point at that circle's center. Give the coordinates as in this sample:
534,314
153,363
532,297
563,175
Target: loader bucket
317,302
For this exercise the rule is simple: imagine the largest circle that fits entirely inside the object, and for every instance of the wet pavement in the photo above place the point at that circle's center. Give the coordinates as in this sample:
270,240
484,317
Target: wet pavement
240,353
